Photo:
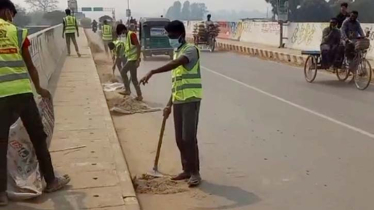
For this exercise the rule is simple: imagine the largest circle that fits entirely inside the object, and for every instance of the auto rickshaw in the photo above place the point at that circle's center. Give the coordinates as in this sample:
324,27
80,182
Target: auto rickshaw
153,37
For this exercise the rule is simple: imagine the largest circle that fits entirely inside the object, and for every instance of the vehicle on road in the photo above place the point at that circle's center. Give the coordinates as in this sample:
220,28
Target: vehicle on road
205,35
153,37
359,69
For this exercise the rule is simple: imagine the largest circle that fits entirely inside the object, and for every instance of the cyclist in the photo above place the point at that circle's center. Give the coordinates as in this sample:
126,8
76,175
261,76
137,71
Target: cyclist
351,31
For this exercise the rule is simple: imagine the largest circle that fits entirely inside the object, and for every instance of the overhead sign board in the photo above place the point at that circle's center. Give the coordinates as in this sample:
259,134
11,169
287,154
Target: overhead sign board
73,5
86,9
98,9
128,13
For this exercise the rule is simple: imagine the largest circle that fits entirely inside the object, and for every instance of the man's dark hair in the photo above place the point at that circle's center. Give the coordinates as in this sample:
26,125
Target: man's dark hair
68,11
7,4
175,26
345,4
111,45
120,27
355,12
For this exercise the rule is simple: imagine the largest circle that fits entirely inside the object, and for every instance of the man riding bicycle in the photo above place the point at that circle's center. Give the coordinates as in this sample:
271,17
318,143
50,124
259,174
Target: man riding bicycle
351,32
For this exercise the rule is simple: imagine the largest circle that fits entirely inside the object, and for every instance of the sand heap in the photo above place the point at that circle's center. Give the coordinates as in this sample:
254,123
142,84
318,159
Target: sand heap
128,105
151,185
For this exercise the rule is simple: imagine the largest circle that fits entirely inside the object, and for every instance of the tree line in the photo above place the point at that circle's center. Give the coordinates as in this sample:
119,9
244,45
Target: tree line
43,13
187,11
323,10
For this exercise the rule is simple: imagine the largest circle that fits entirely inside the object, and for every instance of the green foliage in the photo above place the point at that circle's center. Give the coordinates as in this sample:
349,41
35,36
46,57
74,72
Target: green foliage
322,10
54,17
21,19
194,11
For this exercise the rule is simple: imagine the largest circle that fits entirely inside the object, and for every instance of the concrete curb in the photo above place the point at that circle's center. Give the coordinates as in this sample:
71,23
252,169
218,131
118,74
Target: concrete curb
273,55
264,53
128,192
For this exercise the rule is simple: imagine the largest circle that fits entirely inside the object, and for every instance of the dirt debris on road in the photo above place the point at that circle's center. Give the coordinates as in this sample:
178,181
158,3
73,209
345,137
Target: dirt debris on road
150,185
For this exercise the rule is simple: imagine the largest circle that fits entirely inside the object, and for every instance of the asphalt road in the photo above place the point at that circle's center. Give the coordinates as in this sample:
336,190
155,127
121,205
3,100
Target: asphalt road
269,140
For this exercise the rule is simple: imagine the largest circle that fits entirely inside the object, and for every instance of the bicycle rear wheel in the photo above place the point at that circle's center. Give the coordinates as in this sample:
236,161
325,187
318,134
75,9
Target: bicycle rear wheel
363,75
310,68
343,72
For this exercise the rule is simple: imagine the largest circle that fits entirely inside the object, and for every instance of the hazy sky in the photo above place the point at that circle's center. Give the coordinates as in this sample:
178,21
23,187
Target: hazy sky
152,7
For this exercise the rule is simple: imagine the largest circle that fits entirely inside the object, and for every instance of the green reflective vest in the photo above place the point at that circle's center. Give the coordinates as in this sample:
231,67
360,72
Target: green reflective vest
130,49
118,44
107,33
70,24
14,78
186,85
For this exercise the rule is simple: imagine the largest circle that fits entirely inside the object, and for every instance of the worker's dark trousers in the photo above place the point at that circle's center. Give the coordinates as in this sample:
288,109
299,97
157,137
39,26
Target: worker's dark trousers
70,37
132,67
186,118
23,106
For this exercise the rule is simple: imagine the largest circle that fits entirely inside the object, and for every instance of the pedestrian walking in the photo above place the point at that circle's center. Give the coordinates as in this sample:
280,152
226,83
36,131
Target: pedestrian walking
107,35
17,100
70,28
185,99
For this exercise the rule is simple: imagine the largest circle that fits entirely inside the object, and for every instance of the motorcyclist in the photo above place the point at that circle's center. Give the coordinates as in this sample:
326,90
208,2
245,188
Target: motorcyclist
94,25
330,42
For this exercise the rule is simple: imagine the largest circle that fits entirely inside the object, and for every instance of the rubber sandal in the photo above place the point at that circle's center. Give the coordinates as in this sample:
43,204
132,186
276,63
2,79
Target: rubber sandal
61,183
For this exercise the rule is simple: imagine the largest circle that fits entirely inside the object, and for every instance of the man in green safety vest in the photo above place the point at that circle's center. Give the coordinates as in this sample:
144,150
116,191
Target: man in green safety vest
107,35
17,99
69,30
132,53
185,99
117,48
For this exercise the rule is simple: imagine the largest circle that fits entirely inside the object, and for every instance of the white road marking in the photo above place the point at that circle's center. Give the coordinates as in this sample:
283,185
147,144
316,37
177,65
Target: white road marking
363,132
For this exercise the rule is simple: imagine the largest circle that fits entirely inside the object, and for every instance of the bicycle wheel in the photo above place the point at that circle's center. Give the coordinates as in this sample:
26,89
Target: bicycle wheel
363,75
310,68
343,72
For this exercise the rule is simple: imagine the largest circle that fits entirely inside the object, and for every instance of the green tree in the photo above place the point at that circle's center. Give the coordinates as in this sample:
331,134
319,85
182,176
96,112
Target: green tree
198,11
43,5
309,8
174,12
186,10
21,19
54,17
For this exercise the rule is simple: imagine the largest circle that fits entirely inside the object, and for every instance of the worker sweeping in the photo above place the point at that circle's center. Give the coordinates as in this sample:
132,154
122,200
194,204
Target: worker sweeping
17,100
185,99
118,49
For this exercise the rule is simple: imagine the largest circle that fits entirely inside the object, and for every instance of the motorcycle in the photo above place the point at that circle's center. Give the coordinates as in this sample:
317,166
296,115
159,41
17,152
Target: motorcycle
94,29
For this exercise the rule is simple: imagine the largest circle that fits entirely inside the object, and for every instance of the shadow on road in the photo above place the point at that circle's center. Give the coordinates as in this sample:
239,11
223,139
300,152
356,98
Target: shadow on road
342,85
235,194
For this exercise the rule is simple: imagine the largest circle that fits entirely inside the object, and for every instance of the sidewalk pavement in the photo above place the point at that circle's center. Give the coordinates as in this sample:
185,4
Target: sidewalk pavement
99,173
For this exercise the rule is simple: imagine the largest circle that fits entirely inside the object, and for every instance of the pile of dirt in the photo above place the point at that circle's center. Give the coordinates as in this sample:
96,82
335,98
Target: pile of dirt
151,185
127,103
95,48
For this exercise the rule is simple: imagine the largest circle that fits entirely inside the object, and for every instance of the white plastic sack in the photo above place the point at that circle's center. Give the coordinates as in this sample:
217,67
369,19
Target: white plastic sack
24,178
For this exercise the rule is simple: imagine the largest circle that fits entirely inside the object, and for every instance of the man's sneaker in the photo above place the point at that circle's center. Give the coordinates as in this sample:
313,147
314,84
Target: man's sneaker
181,176
3,199
58,184
195,180
79,55
139,98
124,92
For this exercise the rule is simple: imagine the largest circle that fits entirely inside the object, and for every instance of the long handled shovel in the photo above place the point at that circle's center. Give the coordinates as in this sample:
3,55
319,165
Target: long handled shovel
155,172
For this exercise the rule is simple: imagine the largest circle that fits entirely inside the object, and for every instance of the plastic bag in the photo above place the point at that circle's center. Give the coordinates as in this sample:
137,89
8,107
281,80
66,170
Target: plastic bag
24,178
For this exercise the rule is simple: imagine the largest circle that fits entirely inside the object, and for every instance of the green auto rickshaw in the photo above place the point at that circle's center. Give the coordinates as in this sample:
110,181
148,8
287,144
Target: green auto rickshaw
153,37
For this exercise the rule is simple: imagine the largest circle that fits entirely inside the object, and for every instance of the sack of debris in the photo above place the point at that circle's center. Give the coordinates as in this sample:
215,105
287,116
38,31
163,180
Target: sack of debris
24,178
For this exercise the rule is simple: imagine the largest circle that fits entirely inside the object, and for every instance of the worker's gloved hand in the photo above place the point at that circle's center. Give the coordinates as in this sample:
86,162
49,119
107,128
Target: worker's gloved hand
167,111
44,93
